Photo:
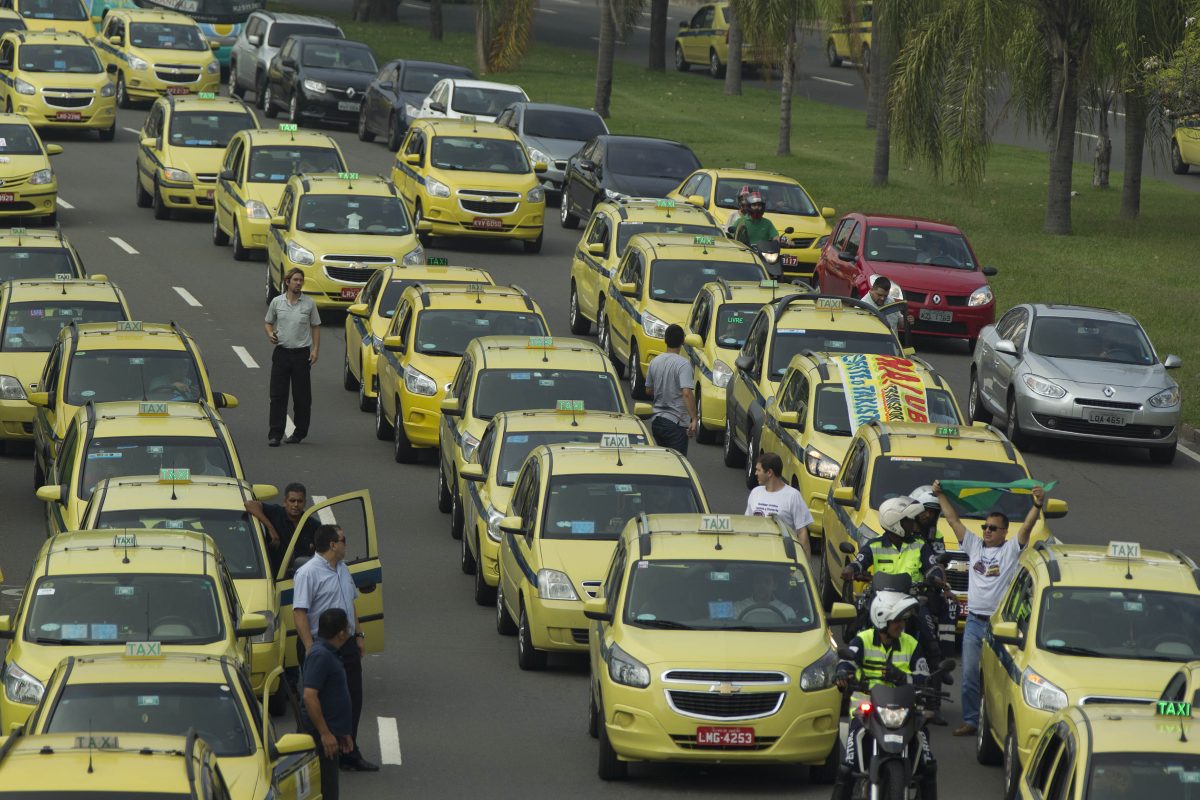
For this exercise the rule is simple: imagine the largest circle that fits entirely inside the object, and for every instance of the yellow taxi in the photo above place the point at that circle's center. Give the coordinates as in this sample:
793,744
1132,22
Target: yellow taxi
57,81
813,416
569,505
1082,625
32,312
424,345
30,254
170,694
488,480
851,40
10,20
127,437
368,319
889,459
55,15
1185,144
28,186
254,170
338,229
655,285
514,373
99,362
704,39
469,178
612,225
180,150
708,644
153,53
1184,686
787,326
216,506
106,591
715,331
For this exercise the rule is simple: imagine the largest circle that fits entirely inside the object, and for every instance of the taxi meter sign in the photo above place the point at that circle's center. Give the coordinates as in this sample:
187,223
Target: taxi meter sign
437,261
829,302
143,650
125,540
1168,708
174,475
716,523
152,409
614,440
1124,550
129,325
569,406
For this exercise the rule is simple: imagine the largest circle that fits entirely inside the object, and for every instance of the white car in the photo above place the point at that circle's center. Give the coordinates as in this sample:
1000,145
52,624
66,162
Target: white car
453,98
260,39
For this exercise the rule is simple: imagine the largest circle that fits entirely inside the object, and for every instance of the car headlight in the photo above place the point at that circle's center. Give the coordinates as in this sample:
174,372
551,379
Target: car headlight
177,175
108,89
536,195
721,374
895,294
24,87
11,388
300,255
555,585
469,443
414,257
256,209
627,670
981,296
653,326
267,636
537,155
417,382
1041,693
493,523
1164,399
609,194
213,67
819,674
21,687
41,177
436,188
316,87
821,242
1044,387
820,465
138,63
892,717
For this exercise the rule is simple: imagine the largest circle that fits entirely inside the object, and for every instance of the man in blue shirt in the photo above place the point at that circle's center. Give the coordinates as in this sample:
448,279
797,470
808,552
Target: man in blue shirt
327,712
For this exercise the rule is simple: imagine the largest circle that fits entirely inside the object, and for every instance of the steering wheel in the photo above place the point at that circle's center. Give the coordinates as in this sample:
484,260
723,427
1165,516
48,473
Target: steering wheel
762,607
174,620
1169,636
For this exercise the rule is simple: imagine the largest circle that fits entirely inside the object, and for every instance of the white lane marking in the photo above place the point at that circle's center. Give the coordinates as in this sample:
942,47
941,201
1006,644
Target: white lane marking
187,296
325,514
389,740
124,245
831,80
1088,135
544,11
63,203
245,356
131,130
1187,452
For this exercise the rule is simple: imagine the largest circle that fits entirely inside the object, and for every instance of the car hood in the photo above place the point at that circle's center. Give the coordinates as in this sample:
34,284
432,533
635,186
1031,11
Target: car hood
196,160
801,225
670,313
18,165
582,560
70,80
557,149
496,181
1080,676
758,650
242,775
266,193
640,185
927,278
25,367
440,368
154,55
359,244
1099,373
339,77
498,496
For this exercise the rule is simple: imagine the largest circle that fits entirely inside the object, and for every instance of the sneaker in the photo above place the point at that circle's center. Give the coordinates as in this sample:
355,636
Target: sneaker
966,729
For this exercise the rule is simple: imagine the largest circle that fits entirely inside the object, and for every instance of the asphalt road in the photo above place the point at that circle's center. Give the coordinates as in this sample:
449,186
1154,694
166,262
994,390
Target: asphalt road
468,721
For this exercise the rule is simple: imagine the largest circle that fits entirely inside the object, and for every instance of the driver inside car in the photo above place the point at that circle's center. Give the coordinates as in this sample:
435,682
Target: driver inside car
763,595
173,383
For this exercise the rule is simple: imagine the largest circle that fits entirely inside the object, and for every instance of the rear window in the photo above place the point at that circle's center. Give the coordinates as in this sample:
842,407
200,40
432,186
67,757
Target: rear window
499,390
598,506
277,164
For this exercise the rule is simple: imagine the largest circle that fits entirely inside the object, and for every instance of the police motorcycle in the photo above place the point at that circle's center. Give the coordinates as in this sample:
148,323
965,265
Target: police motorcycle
886,582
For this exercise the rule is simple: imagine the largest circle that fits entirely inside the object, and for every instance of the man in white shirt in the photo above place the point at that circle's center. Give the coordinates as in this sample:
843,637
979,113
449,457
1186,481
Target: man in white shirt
774,498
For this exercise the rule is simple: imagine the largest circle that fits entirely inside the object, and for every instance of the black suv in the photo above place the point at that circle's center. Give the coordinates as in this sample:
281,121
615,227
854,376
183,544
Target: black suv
319,78
614,167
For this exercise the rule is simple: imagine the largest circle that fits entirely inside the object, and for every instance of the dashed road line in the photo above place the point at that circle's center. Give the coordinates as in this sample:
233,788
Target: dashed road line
325,514
132,130
389,740
245,356
63,203
187,296
124,245
831,80
543,11
1187,452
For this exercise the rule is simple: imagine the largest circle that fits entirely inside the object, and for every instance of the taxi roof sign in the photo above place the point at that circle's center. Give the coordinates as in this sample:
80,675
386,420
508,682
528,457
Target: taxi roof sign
152,409
288,127
949,431
437,261
540,343
17,231
716,523
207,95
829,302
143,650
174,475
62,277
1124,550
348,176
703,240
614,440
126,325
1168,708
768,284
468,119
664,203
103,742
125,540
569,406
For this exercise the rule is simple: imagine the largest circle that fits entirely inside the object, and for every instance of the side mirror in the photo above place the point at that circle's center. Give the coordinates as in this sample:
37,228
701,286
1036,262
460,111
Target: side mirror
847,548
1055,509
789,419
279,222
254,39
53,149
540,167
53,493
251,625
596,608
111,69
744,362
413,159
643,410
97,276
683,26
451,408
845,255
695,200
627,289
909,352
394,344
596,249
841,612
228,175
844,496
990,271
39,399
789,229
224,400
116,39
149,141
511,525
1172,361
6,628
693,340
214,45
290,63
1006,346
585,165
472,472
438,107
424,226
291,743
1007,633
386,86
263,492
828,212
358,310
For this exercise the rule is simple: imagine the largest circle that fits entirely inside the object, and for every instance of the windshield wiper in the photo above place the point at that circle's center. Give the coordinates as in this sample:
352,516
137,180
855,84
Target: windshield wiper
450,353
1072,650
68,642
669,624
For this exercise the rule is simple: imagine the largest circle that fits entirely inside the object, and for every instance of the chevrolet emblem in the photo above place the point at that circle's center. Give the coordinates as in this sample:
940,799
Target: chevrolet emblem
724,688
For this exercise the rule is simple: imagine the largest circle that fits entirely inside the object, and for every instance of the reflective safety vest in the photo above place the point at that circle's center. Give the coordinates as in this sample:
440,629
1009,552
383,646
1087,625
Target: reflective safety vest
876,658
902,560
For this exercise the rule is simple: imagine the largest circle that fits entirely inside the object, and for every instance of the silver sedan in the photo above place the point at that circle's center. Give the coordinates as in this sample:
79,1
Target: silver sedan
1074,372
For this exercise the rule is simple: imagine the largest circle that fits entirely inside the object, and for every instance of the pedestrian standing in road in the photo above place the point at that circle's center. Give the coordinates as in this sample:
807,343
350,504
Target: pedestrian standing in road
774,498
294,327
281,521
326,710
992,558
669,380
322,584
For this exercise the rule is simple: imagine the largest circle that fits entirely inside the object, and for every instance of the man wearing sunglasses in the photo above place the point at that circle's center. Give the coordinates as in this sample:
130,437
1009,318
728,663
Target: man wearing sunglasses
992,557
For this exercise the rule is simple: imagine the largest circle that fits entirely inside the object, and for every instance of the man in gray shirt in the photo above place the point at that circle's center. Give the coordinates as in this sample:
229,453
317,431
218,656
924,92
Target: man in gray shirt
669,380
294,327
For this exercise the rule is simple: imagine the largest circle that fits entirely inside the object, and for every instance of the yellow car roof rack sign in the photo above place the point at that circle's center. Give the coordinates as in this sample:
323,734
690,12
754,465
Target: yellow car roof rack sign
288,127
348,176
716,523
540,343
152,409
125,540
104,742
143,650
129,325
664,203
829,302
174,475
1124,550
569,406
703,240
63,276
207,95
614,440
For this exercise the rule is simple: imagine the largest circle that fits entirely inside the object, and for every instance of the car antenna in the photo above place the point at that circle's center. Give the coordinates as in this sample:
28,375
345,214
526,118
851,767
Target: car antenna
90,744
125,560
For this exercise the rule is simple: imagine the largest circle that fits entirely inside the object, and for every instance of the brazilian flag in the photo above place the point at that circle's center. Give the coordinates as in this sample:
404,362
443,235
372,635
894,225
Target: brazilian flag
977,497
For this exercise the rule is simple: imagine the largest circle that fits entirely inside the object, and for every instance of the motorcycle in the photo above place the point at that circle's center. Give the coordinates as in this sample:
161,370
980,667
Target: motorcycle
769,253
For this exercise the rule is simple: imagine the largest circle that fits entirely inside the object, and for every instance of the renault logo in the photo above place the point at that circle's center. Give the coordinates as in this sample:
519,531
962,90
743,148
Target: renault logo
937,298
350,92
725,688
1109,391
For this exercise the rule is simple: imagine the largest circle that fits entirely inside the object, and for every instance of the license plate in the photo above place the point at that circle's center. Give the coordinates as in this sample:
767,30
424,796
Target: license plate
68,116
724,737
487,224
1107,418
7,197
178,90
350,292
930,315
209,193
957,609
346,105
789,261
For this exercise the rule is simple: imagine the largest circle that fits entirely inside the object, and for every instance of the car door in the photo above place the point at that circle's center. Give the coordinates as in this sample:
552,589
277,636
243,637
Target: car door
391,370
593,278
353,513
695,40
148,156
834,269
414,144
460,389
742,390
282,76
381,93
62,474
622,314
601,642
8,52
515,549
1002,366
436,96
293,775
1001,665
228,183
988,359
44,416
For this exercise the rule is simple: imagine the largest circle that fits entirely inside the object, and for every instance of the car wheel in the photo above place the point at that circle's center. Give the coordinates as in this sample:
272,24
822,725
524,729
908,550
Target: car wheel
107,134
383,428
504,620
681,63
528,658
364,133
565,217
866,58
219,237
444,500
987,752
1012,429
123,100
402,450
235,88
1162,455
457,517
365,403
39,477
271,291
733,455
260,89
751,454
608,766
268,103
831,54
829,592
142,197
294,109
484,595
466,561
580,325
1178,165
418,215
534,246
240,251
593,718
160,207
637,383
976,410
1012,762
349,382
393,134
715,70
703,434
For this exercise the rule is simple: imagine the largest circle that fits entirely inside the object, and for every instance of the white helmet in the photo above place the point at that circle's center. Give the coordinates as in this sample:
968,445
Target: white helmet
888,606
925,496
897,509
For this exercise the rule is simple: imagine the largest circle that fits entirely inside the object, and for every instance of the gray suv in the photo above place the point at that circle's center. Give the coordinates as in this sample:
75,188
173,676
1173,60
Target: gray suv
260,39
552,134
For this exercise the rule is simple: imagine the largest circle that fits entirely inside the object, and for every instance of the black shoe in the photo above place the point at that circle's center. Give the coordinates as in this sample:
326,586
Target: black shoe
294,439
357,763
273,441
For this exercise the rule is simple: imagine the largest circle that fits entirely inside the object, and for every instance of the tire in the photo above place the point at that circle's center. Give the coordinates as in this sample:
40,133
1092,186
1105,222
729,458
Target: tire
715,70
1178,165
294,114
827,772
703,434
219,237
975,407
593,718
240,251
383,427
444,498
394,136
160,207
528,658
504,621
565,218
831,54
1162,455
365,403
39,477
107,134
1019,438
751,454
607,347
402,449
535,246
829,593
681,63
260,89
1012,762
987,751
270,291
731,453
484,595
608,766
235,88
50,220
268,103
466,561
637,383
417,217
580,325
123,100
866,58
893,783
143,198
364,133
349,382
457,516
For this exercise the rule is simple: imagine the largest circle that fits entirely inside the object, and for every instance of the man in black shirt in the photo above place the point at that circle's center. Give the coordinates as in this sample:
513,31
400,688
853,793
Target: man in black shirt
280,522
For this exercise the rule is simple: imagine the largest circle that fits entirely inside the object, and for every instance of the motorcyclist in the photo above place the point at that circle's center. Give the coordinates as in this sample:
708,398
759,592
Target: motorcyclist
755,228
885,654
743,209
927,529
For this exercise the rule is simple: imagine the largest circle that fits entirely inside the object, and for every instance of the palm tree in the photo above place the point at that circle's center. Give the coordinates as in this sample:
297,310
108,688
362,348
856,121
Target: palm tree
435,20
503,29
733,70
658,35
374,11
771,25
616,18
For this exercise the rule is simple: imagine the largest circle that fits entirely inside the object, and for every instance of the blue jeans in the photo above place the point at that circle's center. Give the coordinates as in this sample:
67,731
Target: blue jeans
668,433
973,635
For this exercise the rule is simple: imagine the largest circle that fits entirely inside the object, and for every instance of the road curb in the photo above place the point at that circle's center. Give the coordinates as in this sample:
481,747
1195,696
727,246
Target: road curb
1191,434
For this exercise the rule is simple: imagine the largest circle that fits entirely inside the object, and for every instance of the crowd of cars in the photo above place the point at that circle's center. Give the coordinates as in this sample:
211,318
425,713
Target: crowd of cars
710,636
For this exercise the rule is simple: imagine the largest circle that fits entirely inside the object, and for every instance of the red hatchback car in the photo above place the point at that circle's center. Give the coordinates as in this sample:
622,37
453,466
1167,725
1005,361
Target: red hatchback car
930,264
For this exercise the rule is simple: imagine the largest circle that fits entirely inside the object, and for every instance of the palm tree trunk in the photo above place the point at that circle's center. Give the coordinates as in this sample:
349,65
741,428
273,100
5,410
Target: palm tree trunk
1062,153
788,70
483,36
604,59
874,73
435,20
882,56
733,70
1135,142
658,35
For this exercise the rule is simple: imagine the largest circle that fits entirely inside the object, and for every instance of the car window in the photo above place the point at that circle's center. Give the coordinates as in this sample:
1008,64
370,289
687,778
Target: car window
24,263
1046,757
1088,339
915,246
592,507
235,532
360,214
280,32
1019,604
18,140
469,154
277,163
482,101
166,36
66,10
573,126
516,389
518,445
701,316
205,129
1120,623
842,234
123,456
653,160
794,396
779,197
447,332
680,280
421,79
853,242
80,59
1008,323
337,55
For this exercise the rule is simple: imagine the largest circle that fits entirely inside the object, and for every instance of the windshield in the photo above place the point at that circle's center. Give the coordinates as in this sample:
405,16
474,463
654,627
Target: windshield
212,710
679,281
833,416
912,246
479,155
651,160
790,342
422,79
1134,776
10,24
394,289
518,445
337,55
627,230
894,476
1090,340
106,375
234,532
57,58
447,333
350,213
201,129
598,506
718,595
166,36
575,126
113,609
124,456
26,264
277,164
1120,623
781,198
34,327
19,140
70,10
733,323
483,102
499,390
280,32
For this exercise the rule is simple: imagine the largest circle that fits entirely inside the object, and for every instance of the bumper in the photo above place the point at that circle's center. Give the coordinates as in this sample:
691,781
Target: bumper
370,375
552,179
1030,723
16,420
524,224
264,658
422,417
95,116
806,260
557,625
253,232
966,321
1065,419
489,558
330,107
13,713
188,195
30,203
712,404
144,86
648,348
325,291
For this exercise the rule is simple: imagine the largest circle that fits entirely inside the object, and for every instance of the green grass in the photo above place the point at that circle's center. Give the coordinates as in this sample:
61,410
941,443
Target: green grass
1141,267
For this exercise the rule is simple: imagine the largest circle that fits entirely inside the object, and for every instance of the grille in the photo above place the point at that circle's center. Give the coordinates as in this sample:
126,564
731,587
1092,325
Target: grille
487,193
801,243
177,73
562,165
957,300
592,588
206,177
1108,404
958,579
68,102
349,274
580,635
915,297
689,743
1102,700
1072,425
360,259
722,676
726,706
16,180
483,207
19,205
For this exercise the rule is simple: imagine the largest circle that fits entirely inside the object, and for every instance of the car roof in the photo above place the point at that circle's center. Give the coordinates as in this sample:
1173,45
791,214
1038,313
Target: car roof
741,291
32,238
848,318
106,336
549,420
1090,565
332,183
76,289
410,62
674,536
640,209
468,295
479,129
917,223
9,13
750,174
306,19
502,352
154,15
529,106
194,102
147,491
809,360
50,761
662,245
621,139
308,38
170,667
590,459
402,272
258,137
1087,312
9,118
47,37
974,442
1134,728
171,551
121,418
472,83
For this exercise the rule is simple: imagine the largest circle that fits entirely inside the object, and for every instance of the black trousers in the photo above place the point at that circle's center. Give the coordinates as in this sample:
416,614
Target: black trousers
329,770
668,433
290,373
352,661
